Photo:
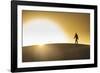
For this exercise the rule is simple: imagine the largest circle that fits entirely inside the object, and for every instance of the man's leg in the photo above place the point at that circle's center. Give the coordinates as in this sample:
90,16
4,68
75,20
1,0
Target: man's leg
75,41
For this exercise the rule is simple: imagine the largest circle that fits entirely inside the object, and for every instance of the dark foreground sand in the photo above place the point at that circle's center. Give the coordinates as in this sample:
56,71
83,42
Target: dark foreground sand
53,52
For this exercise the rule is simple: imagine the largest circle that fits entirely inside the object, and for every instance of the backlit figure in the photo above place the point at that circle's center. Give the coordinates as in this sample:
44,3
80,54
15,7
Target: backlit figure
76,38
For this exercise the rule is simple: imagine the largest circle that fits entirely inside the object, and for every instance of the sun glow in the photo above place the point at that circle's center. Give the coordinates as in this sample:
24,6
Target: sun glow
42,31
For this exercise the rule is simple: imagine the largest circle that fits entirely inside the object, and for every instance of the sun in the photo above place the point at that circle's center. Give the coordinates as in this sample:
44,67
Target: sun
42,31
41,44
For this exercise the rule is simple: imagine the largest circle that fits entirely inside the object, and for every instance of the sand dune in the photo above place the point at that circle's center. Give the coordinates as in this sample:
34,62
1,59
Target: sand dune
53,52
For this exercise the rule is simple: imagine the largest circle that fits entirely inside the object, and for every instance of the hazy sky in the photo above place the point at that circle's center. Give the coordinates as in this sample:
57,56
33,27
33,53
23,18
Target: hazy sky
69,22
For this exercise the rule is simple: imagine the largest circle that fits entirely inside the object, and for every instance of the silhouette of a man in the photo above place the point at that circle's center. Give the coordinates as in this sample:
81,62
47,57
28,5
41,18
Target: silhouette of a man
76,38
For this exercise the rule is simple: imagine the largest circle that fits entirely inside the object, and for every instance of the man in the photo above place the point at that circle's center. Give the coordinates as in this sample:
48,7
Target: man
76,38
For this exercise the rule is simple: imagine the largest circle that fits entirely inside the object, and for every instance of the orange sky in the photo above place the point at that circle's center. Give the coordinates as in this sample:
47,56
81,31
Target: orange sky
69,22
